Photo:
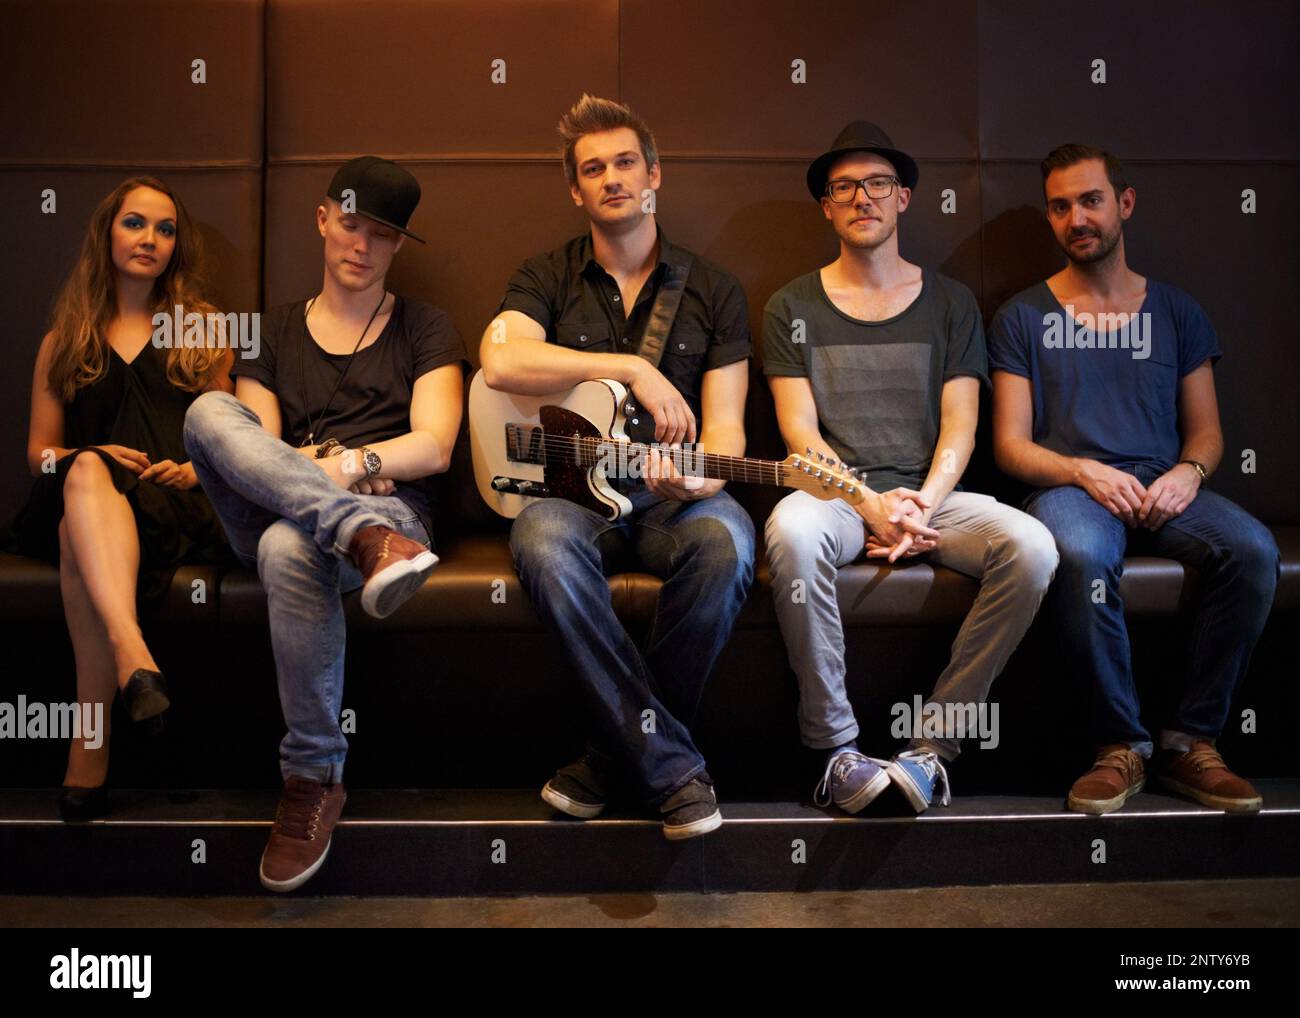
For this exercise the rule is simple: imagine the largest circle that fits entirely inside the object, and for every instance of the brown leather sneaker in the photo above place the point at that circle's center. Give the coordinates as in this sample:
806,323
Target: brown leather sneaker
394,567
303,830
1201,774
1117,773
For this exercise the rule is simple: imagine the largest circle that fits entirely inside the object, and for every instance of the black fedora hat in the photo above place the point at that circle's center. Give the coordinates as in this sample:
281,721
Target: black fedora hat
860,136
384,191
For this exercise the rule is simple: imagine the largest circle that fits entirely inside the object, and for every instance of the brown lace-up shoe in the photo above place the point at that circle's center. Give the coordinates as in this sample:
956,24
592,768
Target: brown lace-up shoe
1201,774
1117,773
394,567
303,830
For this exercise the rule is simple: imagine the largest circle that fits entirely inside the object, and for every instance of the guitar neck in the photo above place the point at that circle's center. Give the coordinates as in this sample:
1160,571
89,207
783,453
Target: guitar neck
591,452
726,468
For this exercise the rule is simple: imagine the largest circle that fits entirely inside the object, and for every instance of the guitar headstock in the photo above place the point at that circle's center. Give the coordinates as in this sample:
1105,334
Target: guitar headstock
823,477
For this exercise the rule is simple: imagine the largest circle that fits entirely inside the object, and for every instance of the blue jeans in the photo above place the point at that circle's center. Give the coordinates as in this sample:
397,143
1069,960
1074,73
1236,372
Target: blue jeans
1238,563
704,553
288,520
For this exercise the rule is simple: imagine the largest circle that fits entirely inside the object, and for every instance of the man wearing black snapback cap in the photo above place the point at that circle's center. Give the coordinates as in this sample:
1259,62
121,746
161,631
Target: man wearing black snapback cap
876,363
319,469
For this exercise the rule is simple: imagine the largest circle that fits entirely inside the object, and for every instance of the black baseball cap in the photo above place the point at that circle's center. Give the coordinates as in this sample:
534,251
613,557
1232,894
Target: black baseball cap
384,191
860,136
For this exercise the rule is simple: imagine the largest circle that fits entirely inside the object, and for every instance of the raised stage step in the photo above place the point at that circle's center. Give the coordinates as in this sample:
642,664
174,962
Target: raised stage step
457,843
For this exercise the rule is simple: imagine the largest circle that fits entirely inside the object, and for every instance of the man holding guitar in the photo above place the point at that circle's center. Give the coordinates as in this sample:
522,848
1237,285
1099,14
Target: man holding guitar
623,303
878,363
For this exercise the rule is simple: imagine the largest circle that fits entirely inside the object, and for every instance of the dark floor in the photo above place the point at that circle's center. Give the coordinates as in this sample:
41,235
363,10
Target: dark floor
1221,903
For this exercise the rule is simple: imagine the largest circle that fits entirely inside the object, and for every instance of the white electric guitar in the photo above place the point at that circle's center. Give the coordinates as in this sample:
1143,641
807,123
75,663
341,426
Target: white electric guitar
569,444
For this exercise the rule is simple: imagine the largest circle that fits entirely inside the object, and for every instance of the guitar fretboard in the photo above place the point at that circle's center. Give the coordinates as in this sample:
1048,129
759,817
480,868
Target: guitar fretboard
529,443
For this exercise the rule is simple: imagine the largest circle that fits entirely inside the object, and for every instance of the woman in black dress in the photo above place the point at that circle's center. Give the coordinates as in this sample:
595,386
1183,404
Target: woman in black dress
116,500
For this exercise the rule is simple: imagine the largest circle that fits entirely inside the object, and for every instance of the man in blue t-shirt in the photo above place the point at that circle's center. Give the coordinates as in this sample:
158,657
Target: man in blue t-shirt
1104,400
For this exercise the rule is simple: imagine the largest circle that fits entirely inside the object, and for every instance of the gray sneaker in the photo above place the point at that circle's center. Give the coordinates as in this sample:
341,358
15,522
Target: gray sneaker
691,811
852,780
578,790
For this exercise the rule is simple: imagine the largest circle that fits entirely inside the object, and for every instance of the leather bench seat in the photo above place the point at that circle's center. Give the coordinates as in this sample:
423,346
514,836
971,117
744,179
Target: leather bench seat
475,588
29,592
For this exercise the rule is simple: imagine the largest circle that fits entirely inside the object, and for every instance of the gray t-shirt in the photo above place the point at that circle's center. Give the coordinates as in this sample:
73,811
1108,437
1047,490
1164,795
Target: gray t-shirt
877,385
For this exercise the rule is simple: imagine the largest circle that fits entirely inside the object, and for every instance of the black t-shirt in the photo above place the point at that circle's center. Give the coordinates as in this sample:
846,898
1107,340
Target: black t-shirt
374,402
569,294
877,385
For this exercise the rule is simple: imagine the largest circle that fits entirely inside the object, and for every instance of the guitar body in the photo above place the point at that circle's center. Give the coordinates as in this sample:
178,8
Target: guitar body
565,445
506,478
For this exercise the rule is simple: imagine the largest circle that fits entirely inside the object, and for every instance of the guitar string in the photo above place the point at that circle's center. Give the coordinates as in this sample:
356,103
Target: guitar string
590,445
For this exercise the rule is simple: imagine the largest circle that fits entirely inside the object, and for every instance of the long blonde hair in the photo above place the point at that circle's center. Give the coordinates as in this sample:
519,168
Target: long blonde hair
88,302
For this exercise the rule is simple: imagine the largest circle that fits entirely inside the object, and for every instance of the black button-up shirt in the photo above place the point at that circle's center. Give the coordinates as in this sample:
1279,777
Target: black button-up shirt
578,303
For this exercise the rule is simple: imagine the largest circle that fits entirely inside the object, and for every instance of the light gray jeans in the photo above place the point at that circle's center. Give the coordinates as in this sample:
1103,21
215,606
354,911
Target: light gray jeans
1009,552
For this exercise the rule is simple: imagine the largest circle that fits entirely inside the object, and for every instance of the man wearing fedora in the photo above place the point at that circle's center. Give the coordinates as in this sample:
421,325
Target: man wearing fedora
319,467
876,364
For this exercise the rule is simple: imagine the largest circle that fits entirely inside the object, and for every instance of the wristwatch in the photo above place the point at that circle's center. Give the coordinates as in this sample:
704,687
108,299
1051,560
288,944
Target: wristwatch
1205,474
371,461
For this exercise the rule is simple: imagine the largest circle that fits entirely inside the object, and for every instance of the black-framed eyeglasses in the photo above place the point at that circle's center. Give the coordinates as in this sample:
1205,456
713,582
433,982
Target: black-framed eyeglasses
842,190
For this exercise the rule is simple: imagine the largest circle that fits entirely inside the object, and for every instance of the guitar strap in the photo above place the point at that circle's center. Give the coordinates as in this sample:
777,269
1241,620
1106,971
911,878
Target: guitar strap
664,310
655,337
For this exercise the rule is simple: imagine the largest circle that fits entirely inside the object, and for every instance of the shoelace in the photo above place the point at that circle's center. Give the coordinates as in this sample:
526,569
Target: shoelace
934,770
1205,757
368,558
299,811
1120,759
838,767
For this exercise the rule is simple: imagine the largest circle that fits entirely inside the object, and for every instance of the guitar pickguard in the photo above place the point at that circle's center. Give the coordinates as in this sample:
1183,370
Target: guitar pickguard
565,477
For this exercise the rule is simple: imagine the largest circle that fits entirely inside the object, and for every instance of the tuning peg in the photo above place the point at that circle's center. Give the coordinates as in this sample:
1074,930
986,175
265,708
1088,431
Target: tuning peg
850,489
808,450
840,485
821,458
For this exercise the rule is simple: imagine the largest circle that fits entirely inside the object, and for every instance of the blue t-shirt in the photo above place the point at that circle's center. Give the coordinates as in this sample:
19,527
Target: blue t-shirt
1103,389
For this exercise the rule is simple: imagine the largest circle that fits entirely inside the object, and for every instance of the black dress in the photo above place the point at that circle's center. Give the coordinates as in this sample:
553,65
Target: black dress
133,405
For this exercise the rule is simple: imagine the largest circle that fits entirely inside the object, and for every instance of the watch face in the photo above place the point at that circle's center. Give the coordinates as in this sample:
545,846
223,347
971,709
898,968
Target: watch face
371,463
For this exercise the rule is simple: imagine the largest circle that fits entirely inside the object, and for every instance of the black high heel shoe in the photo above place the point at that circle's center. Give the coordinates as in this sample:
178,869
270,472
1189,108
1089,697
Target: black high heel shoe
77,805
145,694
